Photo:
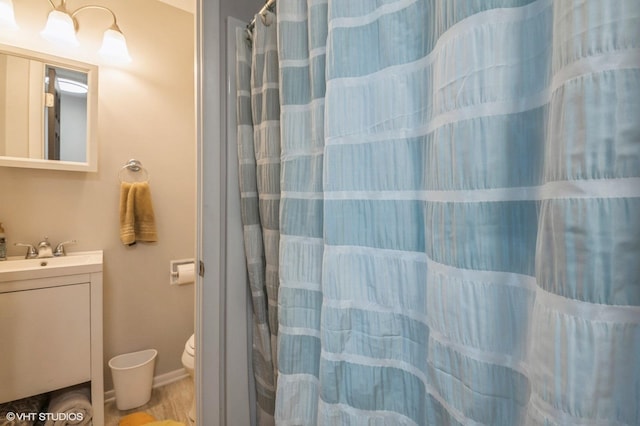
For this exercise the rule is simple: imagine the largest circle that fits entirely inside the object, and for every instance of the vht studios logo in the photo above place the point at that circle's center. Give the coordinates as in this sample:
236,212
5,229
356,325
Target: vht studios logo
43,417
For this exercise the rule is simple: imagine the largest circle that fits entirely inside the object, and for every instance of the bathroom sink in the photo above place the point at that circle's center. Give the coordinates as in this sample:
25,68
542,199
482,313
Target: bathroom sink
18,268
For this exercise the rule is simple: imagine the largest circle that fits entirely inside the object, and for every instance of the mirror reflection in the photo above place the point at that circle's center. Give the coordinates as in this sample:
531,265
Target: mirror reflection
47,105
65,117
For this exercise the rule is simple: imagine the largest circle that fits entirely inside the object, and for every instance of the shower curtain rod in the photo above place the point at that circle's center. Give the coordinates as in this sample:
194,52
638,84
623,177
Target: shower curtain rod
269,5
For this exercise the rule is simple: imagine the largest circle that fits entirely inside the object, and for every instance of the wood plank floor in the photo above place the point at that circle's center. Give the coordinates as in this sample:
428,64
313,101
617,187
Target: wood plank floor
169,402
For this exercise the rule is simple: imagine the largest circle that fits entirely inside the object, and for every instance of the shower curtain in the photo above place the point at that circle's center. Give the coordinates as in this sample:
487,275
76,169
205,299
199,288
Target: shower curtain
459,227
258,137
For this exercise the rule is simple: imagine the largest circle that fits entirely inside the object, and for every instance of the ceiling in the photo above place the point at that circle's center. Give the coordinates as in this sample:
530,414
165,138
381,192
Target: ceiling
188,5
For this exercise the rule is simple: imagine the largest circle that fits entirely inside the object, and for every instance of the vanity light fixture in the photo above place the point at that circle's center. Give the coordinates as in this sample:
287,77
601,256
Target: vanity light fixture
7,17
62,26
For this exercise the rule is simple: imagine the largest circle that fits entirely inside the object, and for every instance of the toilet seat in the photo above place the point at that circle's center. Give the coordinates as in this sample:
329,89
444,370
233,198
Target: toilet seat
189,347
188,361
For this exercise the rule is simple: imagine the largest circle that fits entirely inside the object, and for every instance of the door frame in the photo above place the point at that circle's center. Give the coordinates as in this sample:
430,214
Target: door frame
210,291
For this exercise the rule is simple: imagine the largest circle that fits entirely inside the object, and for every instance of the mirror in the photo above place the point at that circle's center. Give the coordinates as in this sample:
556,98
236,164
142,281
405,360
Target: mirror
48,111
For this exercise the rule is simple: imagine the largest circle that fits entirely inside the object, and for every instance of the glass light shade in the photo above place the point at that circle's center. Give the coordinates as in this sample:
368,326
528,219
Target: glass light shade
114,47
7,17
60,28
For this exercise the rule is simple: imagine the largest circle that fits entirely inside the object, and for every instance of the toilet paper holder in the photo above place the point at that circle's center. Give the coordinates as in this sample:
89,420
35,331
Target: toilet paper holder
174,274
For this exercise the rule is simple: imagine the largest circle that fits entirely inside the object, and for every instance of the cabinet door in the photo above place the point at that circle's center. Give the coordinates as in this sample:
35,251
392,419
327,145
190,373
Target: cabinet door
44,340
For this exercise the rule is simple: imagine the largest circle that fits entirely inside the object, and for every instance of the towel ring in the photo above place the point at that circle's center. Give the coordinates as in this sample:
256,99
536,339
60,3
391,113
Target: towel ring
134,166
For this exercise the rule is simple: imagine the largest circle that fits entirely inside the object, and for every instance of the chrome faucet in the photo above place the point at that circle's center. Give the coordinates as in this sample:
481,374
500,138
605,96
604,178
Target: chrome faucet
44,249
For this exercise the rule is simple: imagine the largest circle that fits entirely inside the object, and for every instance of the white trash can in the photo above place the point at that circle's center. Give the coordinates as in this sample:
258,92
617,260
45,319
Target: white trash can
132,375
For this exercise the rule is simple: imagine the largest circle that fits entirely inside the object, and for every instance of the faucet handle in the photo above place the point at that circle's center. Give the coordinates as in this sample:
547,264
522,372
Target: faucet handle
60,248
31,250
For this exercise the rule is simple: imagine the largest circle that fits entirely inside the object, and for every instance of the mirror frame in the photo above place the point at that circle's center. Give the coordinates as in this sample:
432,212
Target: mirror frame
91,164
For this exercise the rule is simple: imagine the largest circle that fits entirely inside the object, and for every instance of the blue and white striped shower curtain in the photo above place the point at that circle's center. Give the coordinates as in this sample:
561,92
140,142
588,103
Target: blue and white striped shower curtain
459,212
258,137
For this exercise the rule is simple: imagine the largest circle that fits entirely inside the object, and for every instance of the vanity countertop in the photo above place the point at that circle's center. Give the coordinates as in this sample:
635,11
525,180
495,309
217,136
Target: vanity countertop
17,268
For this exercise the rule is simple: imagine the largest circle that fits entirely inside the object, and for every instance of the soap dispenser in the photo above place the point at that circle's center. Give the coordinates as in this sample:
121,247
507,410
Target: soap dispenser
3,244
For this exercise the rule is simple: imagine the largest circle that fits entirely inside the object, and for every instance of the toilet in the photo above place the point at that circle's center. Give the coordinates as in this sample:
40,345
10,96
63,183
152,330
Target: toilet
188,361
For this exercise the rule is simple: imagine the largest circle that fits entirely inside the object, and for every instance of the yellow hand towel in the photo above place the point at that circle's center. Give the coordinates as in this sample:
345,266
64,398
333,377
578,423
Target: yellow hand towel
137,221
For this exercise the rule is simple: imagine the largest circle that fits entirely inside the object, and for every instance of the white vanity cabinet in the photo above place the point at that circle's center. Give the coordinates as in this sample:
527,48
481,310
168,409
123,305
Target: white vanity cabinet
51,327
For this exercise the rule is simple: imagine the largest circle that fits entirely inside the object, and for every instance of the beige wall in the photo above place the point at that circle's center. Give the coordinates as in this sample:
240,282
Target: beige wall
145,111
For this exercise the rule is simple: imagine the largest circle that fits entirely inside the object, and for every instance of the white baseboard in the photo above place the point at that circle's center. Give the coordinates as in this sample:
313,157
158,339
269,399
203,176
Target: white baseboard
160,380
